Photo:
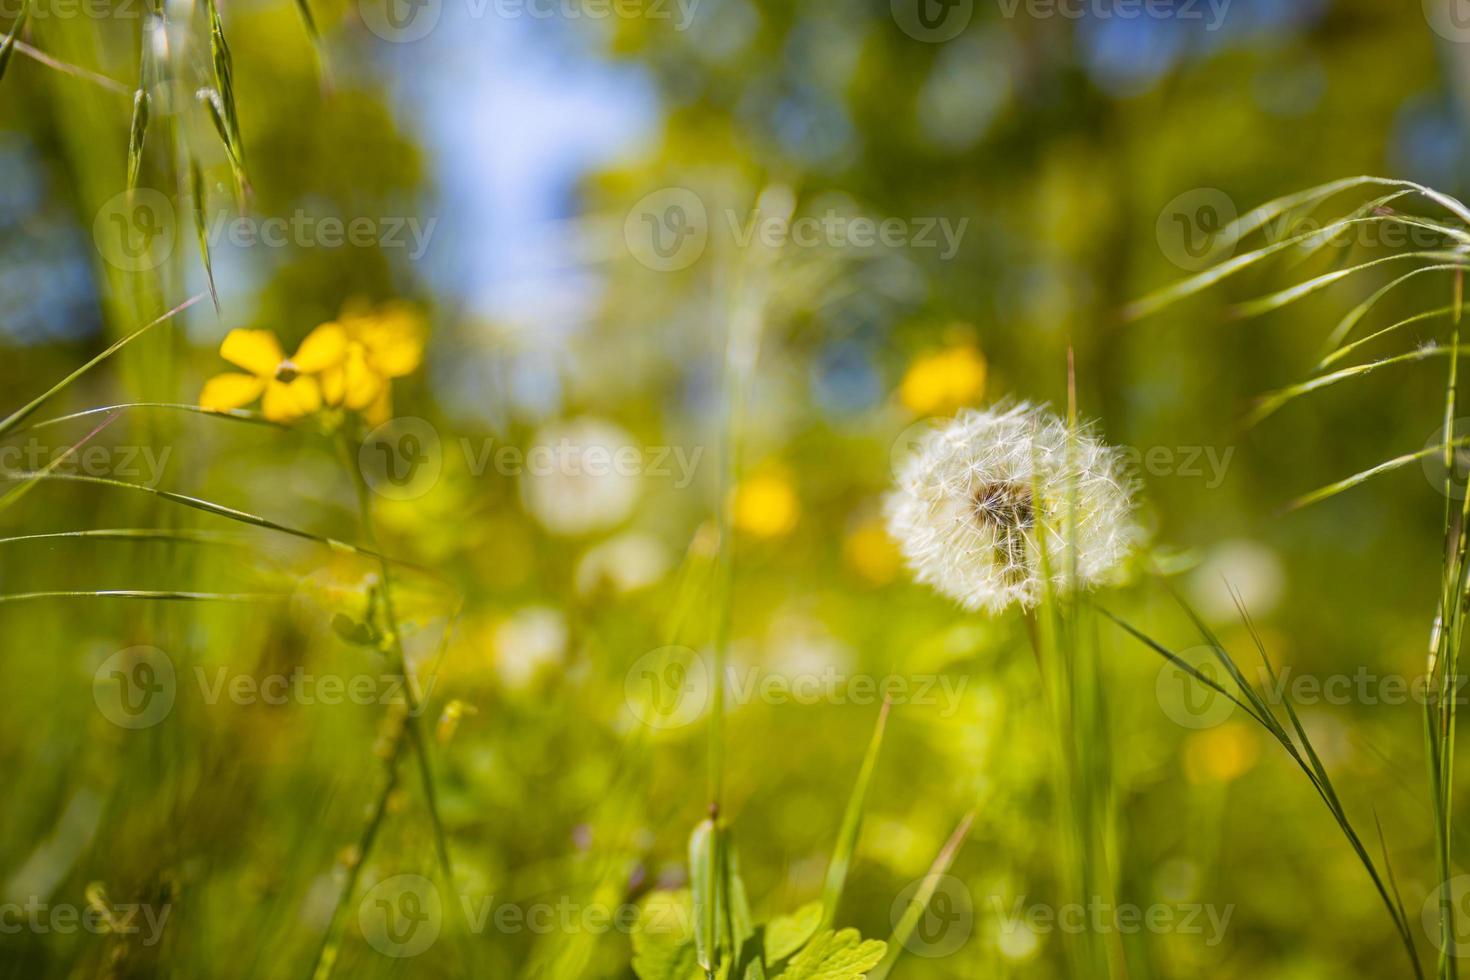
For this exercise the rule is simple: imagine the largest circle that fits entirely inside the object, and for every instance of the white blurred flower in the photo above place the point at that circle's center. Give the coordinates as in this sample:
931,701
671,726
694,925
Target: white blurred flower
974,494
1249,568
581,476
527,643
625,563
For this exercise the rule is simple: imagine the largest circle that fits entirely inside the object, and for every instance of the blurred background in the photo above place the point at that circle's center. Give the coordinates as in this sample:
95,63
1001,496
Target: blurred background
599,212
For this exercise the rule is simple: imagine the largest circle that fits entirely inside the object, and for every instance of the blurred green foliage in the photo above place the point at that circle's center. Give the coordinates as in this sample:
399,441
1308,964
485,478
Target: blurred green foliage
1059,143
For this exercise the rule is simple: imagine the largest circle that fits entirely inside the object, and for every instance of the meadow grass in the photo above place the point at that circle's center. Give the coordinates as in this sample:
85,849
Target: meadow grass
1446,633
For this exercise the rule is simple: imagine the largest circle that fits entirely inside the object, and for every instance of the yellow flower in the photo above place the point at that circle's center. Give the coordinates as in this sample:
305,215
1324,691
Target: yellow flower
944,381
765,506
1220,754
382,344
871,552
287,387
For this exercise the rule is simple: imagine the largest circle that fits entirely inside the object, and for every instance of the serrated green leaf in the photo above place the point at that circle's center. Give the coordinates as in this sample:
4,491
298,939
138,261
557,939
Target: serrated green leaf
832,955
785,934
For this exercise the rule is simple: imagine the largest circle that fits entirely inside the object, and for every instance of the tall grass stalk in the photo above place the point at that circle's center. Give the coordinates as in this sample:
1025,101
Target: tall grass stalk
746,305
1447,631
1081,769
1294,741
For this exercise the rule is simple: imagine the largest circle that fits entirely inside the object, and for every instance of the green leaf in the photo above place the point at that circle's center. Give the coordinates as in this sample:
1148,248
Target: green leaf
663,941
832,955
703,872
785,934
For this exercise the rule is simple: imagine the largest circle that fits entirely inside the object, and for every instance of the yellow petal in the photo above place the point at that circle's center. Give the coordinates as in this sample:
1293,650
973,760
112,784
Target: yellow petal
333,381
361,384
324,347
394,337
278,405
230,390
257,351
381,410
288,401
306,393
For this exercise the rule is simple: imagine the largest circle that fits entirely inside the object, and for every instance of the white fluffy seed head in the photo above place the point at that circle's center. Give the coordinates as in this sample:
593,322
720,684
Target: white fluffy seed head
979,497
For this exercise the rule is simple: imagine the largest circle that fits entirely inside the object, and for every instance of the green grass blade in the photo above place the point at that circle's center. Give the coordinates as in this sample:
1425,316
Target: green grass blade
153,594
1183,665
138,134
131,534
17,492
1268,404
220,510
1173,293
909,921
1345,325
197,196
76,71
1346,349
24,412
1333,489
852,823
1291,294
7,47
237,414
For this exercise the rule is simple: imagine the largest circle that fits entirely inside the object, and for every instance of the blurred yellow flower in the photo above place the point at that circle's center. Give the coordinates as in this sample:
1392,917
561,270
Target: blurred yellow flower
287,387
871,552
383,343
1220,754
941,382
765,506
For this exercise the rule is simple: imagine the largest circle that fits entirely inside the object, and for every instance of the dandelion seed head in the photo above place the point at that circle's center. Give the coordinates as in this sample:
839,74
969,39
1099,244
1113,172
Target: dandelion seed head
979,498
